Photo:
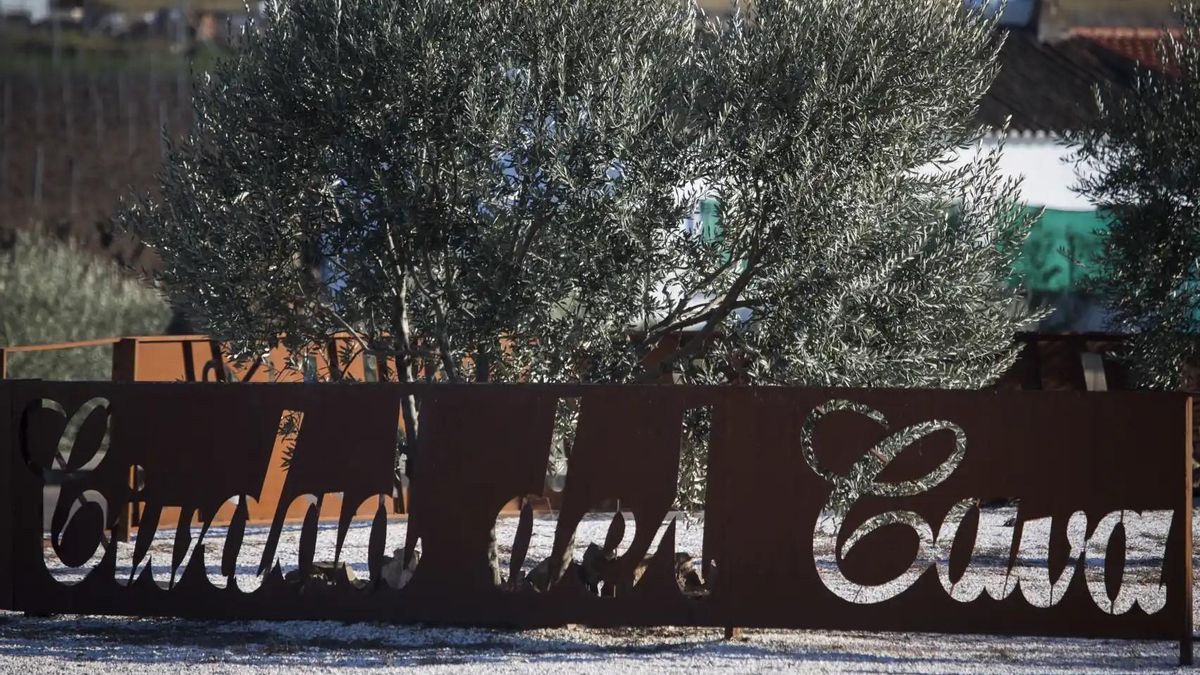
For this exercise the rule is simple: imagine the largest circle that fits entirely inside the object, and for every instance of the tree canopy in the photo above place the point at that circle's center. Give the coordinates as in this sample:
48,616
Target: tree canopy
1146,175
502,183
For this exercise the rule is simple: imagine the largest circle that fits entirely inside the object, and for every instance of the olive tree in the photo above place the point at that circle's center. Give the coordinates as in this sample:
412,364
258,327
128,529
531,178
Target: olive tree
495,189
1144,171
434,177
856,256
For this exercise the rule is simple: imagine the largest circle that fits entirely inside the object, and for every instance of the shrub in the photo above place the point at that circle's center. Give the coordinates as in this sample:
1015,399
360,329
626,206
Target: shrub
54,291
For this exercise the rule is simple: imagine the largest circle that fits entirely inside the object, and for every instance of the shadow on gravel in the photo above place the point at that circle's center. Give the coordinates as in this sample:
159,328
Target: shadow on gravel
331,645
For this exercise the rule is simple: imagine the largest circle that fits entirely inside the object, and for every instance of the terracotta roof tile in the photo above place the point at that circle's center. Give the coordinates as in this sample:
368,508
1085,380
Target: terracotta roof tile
1136,44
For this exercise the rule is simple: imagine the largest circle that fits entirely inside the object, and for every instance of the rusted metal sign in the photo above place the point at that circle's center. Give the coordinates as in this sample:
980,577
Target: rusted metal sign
899,475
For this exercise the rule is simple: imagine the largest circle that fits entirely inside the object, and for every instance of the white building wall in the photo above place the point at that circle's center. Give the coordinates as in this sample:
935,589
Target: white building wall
1045,166
36,10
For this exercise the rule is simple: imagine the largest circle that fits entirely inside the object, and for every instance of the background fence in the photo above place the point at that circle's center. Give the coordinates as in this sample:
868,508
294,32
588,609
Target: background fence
74,140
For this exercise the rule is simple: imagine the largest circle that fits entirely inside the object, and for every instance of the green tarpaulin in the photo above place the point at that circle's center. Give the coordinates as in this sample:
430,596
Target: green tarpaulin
1061,250
1059,253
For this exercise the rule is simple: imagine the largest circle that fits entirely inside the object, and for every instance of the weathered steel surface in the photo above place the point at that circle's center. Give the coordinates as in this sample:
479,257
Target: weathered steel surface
200,359
8,509
777,456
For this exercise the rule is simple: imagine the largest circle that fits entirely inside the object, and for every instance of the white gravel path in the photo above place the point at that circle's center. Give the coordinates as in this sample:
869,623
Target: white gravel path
123,645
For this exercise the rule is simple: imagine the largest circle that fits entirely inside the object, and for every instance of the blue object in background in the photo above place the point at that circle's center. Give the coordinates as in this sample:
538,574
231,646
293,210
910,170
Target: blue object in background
1013,13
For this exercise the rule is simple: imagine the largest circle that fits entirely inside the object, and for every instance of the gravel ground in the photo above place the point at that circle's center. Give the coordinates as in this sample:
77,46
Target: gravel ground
121,645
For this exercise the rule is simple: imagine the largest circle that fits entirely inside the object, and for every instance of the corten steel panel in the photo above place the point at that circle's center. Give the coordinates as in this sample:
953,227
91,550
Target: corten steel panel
196,358
482,445
185,360
8,505
199,359
1186,552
